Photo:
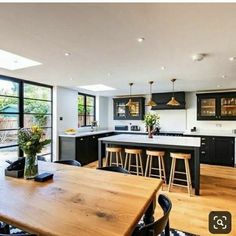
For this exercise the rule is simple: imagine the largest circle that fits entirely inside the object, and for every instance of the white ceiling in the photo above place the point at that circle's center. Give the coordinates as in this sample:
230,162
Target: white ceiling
102,39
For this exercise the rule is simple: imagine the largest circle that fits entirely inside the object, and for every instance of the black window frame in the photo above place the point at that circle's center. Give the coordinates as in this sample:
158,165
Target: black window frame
85,105
21,112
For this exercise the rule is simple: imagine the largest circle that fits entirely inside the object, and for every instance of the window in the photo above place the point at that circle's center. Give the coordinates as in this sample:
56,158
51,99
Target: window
86,109
23,104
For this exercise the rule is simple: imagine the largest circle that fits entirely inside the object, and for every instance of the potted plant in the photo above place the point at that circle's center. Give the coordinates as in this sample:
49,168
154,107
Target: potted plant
31,142
151,121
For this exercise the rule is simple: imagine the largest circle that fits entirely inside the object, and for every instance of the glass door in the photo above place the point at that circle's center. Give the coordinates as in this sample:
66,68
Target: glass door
134,109
228,107
208,107
120,109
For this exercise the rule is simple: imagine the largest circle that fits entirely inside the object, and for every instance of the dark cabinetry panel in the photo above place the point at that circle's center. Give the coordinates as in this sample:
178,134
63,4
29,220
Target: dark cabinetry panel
216,106
217,150
134,112
163,98
83,149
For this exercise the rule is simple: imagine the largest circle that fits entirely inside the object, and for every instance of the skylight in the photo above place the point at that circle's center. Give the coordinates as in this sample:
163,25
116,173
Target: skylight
11,61
97,87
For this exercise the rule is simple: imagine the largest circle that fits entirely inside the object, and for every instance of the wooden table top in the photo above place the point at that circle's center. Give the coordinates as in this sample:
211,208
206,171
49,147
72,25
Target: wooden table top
78,201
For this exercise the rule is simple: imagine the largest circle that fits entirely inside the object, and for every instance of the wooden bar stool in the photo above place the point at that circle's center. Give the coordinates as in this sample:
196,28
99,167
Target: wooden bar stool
185,157
161,173
112,152
138,160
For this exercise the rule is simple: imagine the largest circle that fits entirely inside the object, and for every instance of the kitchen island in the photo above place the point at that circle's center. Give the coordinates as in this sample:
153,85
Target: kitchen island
166,143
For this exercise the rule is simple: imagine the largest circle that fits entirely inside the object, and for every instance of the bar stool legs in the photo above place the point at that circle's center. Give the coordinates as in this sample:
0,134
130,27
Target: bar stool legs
186,158
161,165
138,161
118,156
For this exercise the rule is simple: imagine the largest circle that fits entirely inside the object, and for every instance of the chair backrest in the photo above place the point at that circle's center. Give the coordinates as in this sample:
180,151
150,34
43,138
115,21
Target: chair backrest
41,158
114,169
69,162
158,226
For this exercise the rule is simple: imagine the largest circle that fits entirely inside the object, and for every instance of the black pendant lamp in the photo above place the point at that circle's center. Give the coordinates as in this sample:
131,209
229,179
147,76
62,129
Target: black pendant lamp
150,102
173,101
129,103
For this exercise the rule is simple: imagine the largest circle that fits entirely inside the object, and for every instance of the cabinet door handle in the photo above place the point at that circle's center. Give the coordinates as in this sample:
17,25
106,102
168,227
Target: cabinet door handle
203,138
203,143
81,139
202,152
94,137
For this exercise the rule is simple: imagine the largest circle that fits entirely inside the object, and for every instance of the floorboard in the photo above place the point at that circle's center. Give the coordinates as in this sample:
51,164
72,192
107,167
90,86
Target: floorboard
218,193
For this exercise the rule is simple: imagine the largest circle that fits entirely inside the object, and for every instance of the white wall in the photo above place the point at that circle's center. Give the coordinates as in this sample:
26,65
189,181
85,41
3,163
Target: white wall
178,120
170,120
65,106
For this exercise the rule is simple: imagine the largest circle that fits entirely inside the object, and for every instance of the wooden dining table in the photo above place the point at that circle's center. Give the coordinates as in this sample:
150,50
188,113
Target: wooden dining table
78,201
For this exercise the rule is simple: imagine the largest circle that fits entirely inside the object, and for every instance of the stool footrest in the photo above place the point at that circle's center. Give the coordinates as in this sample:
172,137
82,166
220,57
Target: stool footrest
180,172
180,185
183,180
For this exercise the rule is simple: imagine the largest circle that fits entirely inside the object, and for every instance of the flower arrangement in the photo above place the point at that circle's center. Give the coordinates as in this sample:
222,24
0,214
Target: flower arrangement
31,142
152,119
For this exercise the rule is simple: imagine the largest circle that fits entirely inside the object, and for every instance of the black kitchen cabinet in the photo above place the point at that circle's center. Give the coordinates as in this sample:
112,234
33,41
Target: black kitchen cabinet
217,150
216,106
83,149
162,99
134,112
222,151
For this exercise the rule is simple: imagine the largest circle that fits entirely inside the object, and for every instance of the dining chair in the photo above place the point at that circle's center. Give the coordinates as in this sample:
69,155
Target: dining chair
114,169
69,162
157,227
5,231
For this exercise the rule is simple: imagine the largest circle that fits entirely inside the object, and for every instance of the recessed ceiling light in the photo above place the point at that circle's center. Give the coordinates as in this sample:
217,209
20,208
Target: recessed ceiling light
97,87
232,58
71,78
163,67
11,61
67,54
218,86
224,76
140,40
109,74
198,57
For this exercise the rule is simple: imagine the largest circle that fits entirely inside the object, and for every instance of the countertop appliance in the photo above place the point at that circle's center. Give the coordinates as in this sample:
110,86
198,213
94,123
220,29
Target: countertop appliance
134,128
121,127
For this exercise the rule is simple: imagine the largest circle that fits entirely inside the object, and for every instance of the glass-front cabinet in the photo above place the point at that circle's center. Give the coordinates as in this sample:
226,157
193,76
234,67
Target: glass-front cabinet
216,106
134,111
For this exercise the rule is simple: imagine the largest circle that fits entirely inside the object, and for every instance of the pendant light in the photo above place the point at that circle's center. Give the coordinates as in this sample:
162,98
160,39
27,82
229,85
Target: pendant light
173,101
129,103
150,102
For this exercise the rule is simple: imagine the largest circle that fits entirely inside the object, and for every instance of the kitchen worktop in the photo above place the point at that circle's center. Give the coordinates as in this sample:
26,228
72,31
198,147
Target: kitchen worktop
164,140
211,133
86,133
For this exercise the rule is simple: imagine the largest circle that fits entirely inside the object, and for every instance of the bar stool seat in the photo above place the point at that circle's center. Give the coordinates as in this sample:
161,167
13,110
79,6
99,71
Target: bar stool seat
181,156
161,173
110,153
138,160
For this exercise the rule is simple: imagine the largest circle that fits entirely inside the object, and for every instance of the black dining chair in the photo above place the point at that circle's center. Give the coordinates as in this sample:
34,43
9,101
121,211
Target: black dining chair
5,231
157,227
41,158
69,162
114,169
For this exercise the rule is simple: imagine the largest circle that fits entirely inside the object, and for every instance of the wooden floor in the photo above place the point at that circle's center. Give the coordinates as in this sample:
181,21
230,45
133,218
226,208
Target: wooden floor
218,192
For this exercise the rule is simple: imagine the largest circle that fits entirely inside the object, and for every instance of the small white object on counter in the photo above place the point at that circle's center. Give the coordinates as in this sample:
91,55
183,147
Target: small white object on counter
164,140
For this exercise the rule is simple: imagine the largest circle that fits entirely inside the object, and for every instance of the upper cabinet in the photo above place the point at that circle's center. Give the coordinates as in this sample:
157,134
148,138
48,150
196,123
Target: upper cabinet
216,106
162,99
133,112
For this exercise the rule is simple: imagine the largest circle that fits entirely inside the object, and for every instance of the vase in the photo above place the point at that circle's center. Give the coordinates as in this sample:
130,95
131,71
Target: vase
31,166
150,134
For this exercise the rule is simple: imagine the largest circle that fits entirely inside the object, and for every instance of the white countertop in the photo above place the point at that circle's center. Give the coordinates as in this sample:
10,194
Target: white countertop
164,140
210,133
86,133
